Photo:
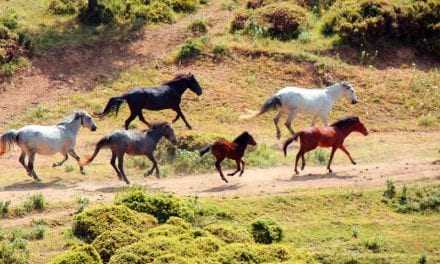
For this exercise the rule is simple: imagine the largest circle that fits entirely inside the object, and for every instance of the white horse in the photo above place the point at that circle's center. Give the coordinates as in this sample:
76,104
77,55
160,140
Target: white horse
47,140
316,102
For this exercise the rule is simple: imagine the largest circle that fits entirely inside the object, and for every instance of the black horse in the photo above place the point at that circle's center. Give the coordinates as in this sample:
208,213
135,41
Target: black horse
166,96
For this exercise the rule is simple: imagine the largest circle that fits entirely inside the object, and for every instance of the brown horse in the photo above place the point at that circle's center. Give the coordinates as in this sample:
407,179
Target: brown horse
332,136
222,149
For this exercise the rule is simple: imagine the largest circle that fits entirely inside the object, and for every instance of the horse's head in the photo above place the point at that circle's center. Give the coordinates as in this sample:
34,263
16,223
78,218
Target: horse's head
248,138
360,127
193,84
348,91
166,130
86,120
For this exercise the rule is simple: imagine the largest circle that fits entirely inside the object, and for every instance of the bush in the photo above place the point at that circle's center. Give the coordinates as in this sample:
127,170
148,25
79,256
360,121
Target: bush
188,6
108,242
156,12
14,252
266,231
65,7
4,208
84,254
198,27
190,50
390,192
416,199
162,206
95,221
229,233
249,253
220,51
360,22
278,20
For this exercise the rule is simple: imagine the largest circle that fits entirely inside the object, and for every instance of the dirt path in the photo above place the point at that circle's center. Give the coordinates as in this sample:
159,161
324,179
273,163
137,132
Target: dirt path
64,70
254,182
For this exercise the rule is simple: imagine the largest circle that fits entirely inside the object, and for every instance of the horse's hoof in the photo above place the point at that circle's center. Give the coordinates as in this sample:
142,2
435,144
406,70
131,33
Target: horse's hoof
297,172
354,163
54,165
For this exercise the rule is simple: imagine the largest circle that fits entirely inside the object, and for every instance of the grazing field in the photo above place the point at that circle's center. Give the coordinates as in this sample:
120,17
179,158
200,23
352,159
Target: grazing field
58,56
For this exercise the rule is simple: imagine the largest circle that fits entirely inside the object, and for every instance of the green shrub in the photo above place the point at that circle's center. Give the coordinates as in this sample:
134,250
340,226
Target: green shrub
266,231
108,242
375,244
95,221
361,22
250,253
415,199
37,232
187,6
220,51
279,20
9,18
190,50
65,7
14,252
390,191
156,12
229,233
198,27
84,254
4,208
162,206
83,202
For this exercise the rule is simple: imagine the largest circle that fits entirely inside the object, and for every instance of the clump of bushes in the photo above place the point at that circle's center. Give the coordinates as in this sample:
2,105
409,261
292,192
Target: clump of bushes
229,233
14,45
189,50
281,21
65,7
198,27
4,208
162,206
266,231
108,242
83,254
369,22
95,221
14,250
416,199
118,11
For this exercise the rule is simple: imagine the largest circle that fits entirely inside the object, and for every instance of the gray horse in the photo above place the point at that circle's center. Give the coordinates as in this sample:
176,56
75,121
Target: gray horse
132,142
47,140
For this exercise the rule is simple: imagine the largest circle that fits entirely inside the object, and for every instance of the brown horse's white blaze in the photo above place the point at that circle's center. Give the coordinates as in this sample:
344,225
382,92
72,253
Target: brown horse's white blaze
235,150
327,137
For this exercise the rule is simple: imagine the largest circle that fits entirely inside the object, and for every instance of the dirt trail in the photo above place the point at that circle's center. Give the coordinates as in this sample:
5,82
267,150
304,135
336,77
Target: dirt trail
254,182
64,70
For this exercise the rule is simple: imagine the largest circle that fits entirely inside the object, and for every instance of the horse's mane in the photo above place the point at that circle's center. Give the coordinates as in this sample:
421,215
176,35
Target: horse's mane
67,120
177,78
345,122
242,138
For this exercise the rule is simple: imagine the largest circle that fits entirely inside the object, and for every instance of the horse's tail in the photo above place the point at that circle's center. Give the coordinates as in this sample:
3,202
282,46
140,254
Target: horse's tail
204,150
7,140
113,105
103,142
272,103
289,141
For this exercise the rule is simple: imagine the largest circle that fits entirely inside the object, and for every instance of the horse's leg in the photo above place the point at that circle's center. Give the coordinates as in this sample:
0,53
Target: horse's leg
276,119
57,164
298,155
180,113
331,159
151,157
31,166
219,169
141,117
129,120
303,161
22,161
237,170
288,123
121,167
176,118
77,158
242,167
113,163
342,147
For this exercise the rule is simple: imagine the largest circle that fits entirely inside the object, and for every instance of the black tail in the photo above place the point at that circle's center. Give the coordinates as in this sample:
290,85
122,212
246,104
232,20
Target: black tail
103,142
113,105
204,150
289,141
272,103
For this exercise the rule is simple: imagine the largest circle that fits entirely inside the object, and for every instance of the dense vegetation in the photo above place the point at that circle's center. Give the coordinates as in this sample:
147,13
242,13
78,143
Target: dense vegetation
120,235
